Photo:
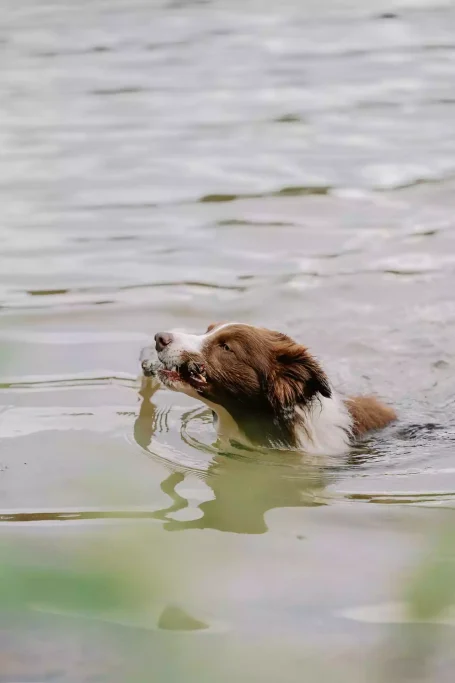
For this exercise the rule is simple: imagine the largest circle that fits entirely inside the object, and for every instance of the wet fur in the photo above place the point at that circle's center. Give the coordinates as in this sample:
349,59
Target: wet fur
267,389
368,413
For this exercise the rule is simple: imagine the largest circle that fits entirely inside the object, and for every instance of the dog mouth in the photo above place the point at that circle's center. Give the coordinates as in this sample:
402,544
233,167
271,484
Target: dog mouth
191,373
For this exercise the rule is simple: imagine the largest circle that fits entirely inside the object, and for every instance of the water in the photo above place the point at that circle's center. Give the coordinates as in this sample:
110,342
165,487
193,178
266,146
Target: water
176,163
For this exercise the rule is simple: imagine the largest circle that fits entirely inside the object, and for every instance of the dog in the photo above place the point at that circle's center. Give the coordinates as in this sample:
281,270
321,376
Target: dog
263,388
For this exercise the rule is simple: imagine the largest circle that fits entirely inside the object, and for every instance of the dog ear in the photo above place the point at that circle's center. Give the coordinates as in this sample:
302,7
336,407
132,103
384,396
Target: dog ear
297,377
212,327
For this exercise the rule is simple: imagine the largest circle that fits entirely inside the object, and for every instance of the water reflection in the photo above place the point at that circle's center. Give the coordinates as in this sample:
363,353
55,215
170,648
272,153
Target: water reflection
150,418
245,484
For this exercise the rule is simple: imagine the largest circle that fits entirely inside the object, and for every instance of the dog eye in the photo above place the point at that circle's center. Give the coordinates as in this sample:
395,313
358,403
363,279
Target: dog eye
225,346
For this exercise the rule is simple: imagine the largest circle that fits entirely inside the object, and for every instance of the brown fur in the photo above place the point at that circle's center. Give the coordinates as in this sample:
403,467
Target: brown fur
298,376
259,376
264,364
368,413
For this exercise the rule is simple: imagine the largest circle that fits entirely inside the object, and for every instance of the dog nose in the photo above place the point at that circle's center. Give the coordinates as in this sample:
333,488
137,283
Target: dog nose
162,339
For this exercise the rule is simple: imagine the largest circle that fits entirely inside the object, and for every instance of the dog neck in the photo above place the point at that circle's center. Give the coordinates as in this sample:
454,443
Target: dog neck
320,426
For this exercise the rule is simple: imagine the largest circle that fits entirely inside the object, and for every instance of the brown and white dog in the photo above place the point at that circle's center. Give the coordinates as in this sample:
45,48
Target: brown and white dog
263,388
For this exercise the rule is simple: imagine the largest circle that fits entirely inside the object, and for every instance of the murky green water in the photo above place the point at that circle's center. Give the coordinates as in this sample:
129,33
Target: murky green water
174,163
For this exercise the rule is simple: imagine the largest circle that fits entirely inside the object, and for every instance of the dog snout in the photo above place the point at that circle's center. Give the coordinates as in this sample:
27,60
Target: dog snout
162,339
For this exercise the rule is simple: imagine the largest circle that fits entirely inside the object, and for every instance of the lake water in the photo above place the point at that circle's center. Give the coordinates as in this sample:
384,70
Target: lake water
170,164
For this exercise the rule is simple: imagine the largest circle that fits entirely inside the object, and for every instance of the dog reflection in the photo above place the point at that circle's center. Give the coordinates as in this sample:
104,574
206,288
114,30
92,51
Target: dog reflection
244,490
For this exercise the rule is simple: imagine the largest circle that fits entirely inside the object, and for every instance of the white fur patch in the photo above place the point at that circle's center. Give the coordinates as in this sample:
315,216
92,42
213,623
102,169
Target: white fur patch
327,426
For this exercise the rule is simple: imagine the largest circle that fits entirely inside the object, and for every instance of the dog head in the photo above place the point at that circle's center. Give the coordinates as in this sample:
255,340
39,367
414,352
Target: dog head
239,367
